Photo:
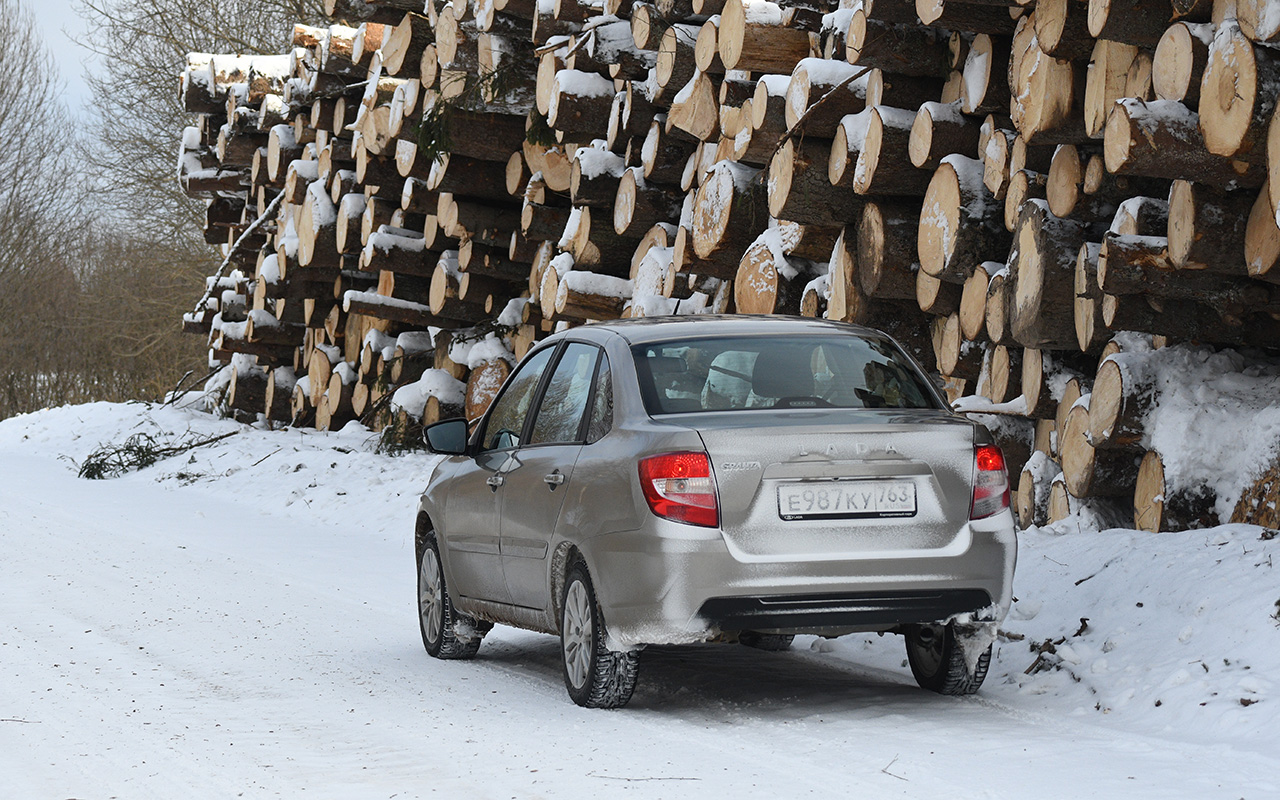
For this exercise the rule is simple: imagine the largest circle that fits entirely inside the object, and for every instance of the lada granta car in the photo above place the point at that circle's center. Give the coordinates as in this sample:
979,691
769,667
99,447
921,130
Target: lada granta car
746,479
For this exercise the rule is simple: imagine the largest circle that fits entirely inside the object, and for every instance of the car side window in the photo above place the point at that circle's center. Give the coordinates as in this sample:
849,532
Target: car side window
565,400
506,420
602,406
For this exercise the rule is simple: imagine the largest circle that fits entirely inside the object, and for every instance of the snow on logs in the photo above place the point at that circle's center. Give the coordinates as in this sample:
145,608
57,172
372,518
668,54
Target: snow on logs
1031,196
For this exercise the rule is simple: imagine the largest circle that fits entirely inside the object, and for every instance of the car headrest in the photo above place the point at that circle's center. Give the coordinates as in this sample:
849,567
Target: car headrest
663,366
782,372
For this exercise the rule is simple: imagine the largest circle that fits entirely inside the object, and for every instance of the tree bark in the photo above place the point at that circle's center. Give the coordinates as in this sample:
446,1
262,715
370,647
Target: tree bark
902,49
1136,22
1162,139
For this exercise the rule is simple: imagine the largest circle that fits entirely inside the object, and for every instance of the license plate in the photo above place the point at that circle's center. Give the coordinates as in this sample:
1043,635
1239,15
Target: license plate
846,499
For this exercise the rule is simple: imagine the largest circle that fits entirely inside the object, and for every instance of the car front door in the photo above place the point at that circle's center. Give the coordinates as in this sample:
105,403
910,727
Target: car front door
473,509
539,474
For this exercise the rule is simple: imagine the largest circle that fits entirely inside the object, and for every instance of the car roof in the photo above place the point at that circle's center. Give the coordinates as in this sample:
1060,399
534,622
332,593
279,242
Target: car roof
644,330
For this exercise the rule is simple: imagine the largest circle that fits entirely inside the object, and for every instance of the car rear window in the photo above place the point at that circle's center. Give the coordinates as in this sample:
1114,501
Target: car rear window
767,372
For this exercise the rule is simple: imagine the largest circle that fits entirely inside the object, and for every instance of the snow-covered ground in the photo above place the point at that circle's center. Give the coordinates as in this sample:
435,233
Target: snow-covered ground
240,620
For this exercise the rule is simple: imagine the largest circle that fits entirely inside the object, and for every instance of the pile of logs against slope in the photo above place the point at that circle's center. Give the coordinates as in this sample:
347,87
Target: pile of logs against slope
410,197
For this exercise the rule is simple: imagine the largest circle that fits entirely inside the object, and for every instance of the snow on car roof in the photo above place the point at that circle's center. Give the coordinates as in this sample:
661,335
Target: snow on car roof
653,329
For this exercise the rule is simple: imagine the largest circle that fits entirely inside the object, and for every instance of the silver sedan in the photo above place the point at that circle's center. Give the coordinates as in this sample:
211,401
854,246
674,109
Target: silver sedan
705,479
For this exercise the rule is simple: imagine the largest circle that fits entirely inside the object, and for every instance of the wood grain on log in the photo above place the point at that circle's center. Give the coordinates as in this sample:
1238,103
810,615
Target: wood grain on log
935,296
761,43
1088,472
798,188
1006,373
1179,62
1262,238
1207,228
1159,506
973,300
886,249
984,86
961,224
1062,28
814,80
1258,20
1238,94
767,281
1049,98
939,130
730,208
1091,334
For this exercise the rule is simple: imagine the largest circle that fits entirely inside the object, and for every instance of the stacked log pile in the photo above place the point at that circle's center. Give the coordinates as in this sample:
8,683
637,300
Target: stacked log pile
1021,191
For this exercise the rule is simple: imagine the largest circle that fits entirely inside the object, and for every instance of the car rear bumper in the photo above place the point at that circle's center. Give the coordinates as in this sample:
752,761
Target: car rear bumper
670,583
850,609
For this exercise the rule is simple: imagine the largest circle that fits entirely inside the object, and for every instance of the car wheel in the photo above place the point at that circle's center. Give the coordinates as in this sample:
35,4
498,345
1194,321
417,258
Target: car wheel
437,618
595,676
938,663
766,641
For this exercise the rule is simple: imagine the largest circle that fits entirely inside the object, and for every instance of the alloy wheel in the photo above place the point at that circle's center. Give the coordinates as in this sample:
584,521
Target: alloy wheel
578,634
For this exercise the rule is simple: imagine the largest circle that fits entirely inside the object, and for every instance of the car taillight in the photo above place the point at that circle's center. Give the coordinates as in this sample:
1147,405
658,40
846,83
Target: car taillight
679,486
990,482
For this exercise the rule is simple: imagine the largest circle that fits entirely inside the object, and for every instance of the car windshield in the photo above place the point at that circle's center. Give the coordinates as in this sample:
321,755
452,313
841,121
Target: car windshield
766,372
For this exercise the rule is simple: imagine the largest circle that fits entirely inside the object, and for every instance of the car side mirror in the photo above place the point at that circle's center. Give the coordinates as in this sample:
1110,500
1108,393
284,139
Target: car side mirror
448,437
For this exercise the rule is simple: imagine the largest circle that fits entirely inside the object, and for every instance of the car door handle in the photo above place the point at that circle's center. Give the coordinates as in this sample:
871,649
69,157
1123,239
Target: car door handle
495,481
554,479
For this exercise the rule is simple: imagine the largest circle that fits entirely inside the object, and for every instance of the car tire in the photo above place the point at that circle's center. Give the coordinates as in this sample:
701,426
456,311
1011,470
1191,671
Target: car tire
438,621
595,676
773,642
938,663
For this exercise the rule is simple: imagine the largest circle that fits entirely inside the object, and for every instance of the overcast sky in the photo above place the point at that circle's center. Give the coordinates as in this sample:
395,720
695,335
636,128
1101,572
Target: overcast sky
60,26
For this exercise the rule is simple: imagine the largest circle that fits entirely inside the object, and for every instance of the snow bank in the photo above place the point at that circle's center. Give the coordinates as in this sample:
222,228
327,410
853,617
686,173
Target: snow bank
1147,662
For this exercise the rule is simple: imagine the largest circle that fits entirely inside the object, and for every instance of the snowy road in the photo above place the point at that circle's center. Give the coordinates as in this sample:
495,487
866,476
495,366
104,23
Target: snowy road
188,638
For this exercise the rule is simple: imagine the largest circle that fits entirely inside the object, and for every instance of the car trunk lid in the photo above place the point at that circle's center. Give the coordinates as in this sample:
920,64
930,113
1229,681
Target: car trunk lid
839,483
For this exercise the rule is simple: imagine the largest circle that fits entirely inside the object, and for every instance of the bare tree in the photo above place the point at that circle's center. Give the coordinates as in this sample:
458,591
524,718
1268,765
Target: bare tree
95,272
37,230
36,134
143,46
99,254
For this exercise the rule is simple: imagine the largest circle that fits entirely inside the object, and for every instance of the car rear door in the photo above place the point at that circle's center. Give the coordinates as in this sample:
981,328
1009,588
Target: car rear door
539,475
